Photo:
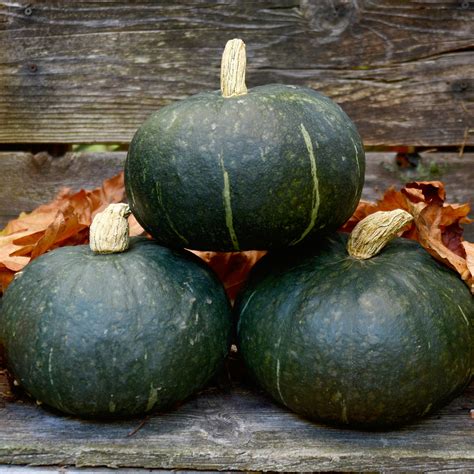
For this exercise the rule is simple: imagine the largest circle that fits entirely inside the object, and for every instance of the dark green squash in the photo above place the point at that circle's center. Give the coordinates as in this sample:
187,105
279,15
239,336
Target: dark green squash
245,169
368,343
116,334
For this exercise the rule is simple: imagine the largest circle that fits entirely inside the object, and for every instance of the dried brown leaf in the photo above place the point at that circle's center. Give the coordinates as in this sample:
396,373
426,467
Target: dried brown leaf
63,221
66,221
232,268
429,234
469,276
363,210
392,199
135,227
437,225
429,192
64,226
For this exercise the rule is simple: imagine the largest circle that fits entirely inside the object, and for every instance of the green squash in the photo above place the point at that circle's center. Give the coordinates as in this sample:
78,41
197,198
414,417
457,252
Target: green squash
367,343
262,168
106,335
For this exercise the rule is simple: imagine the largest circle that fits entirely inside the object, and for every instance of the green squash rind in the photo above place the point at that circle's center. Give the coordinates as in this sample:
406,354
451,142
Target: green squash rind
276,166
118,334
363,343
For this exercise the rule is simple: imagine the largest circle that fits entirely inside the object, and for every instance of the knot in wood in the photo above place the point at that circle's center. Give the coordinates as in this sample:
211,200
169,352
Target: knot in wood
329,17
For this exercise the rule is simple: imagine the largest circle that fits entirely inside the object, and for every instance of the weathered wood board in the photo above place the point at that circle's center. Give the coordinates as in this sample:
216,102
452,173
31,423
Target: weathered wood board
27,180
236,427
83,72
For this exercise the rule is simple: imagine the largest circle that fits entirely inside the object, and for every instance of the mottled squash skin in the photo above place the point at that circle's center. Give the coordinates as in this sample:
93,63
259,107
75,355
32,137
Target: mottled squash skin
118,334
362,343
271,168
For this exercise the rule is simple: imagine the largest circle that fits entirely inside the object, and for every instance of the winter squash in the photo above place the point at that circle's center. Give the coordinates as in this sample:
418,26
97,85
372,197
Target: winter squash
241,169
114,332
354,338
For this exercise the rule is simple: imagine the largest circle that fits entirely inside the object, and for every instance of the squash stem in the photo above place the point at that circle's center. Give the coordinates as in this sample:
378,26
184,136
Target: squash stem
375,231
233,66
109,232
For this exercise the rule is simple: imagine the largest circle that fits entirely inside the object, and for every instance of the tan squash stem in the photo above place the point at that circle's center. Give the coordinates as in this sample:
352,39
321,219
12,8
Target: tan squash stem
371,234
109,232
233,66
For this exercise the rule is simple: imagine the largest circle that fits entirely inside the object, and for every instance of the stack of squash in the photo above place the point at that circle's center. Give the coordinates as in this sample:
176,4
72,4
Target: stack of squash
367,331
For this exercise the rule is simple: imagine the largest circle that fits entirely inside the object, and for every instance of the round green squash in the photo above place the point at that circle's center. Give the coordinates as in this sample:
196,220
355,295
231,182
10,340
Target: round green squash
365,343
119,334
262,168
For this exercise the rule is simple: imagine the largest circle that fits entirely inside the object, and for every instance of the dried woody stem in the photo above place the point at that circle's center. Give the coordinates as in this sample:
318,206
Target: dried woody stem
109,232
371,234
233,67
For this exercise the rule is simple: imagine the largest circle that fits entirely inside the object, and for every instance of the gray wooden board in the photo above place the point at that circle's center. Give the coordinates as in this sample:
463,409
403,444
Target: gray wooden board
235,427
81,72
27,180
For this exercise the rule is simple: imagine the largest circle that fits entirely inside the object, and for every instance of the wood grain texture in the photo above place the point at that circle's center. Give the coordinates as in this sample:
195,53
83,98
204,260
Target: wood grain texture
235,427
27,180
90,71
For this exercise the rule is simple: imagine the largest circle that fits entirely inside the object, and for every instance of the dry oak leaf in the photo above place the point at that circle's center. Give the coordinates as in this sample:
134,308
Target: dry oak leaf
66,221
232,268
436,226
469,249
63,221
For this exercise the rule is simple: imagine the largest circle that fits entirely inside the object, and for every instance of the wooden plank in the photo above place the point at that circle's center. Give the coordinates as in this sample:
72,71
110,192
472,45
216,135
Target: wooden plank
235,427
92,71
27,180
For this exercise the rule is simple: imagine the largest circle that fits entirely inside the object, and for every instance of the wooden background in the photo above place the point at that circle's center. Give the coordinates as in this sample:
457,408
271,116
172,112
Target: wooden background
90,72
28,180
85,71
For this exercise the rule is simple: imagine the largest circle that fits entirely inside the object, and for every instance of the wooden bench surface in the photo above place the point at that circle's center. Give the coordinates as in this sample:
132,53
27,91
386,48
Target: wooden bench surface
234,426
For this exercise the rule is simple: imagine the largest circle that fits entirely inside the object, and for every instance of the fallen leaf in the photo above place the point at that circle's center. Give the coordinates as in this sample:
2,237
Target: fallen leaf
134,226
232,268
363,209
63,221
469,249
6,277
437,225
392,199
429,192
66,221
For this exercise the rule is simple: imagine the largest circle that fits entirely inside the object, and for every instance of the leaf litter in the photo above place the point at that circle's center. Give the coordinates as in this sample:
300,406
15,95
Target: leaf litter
437,226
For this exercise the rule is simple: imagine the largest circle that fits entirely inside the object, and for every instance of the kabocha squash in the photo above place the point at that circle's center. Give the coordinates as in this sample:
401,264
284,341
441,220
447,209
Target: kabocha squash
357,341
114,334
244,169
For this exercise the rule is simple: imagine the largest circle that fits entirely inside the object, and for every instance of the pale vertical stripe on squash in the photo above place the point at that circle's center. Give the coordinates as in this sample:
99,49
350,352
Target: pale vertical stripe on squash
357,161
152,397
247,303
166,215
464,315
314,176
278,380
50,370
228,206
